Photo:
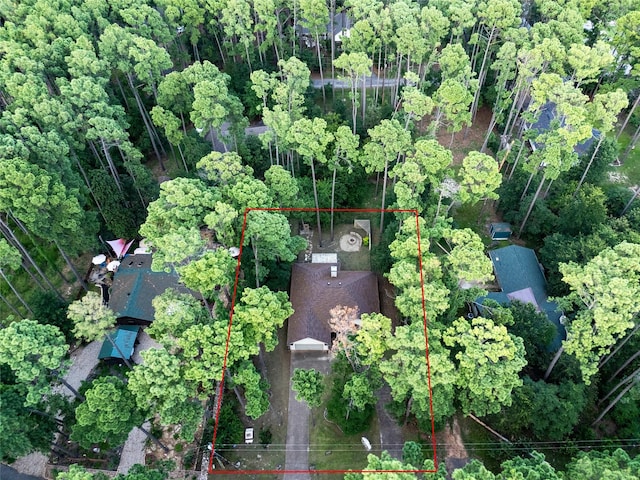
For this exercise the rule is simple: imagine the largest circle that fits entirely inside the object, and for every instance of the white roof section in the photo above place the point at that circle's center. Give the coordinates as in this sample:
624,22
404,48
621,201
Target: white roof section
324,258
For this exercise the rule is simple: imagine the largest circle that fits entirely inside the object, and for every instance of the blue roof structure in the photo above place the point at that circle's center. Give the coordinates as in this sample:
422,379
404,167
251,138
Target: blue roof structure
521,278
125,338
547,114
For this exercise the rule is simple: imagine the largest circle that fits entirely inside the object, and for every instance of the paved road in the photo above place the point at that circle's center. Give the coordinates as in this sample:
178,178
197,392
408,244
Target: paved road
33,464
297,454
338,83
8,473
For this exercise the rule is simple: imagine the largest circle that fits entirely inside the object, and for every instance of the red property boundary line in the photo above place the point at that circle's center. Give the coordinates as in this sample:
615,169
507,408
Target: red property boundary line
211,471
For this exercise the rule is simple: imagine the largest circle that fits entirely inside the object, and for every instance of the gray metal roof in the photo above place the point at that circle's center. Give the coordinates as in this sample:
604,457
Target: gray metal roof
135,286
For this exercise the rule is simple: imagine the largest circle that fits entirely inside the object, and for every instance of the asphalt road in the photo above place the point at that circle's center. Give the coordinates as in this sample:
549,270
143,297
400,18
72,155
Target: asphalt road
8,473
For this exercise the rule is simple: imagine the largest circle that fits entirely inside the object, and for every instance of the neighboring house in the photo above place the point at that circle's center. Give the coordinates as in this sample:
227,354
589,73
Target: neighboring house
314,292
521,278
547,115
135,286
341,28
125,338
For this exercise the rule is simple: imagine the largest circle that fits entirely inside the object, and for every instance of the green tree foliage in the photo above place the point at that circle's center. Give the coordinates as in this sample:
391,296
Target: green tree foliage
406,373
412,453
466,257
269,234
136,472
479,178
107,415
158,385
254,389
21,430
405,274
602,465
383,467
308,386
474,470
534,466
352,401
35,354
50,309
488,364
42,202
213,270
92,319
604,294
259,314
174,313
536,331
542,411
75,472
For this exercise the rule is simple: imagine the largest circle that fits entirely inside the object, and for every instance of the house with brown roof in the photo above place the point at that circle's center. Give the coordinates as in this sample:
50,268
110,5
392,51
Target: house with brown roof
316,288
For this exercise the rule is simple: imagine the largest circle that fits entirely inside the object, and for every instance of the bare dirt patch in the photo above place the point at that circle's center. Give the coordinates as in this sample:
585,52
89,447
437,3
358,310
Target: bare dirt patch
466,140
456,454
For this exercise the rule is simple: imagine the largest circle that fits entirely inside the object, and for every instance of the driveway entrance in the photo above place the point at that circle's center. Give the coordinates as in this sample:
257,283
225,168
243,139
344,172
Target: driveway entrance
297,455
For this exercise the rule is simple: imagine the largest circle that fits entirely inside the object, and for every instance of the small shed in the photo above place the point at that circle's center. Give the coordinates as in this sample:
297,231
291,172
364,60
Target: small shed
124,338
500,231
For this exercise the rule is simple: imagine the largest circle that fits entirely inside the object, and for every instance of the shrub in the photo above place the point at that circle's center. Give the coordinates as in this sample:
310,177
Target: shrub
265,436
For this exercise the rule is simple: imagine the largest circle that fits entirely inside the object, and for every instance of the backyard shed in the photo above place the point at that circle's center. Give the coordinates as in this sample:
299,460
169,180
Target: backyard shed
500,231
124,337
314,292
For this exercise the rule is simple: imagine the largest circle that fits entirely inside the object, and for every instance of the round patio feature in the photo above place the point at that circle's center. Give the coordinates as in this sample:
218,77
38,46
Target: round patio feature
351,242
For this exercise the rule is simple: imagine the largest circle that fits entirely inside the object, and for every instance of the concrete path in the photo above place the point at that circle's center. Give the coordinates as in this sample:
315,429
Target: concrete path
133,451
391,438
34,464
84,359
145,343
297,454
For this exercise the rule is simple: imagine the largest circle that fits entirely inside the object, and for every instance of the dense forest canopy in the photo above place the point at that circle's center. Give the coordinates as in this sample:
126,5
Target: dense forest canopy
168,119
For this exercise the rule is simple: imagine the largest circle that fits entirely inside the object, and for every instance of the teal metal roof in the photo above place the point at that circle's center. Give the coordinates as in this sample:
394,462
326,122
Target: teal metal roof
135,286
516,269
125,338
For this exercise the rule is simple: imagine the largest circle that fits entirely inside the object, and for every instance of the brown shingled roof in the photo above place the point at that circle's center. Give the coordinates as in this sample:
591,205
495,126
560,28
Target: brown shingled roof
314,293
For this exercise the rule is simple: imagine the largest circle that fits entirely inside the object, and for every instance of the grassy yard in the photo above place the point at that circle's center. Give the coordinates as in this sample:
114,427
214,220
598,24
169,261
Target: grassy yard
629,172
474,217
271,457
330,449
51,263
631,166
